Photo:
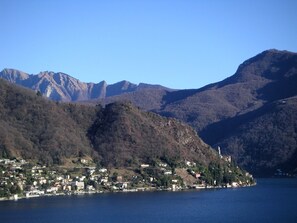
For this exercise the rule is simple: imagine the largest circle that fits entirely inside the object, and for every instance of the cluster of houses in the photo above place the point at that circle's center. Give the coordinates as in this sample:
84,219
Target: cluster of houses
19,178
38,180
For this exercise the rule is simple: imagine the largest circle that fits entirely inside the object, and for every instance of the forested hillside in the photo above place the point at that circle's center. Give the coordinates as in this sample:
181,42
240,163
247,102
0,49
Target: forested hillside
228,113
120,135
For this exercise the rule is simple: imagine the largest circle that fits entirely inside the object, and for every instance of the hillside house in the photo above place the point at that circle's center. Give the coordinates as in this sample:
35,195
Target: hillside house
78,185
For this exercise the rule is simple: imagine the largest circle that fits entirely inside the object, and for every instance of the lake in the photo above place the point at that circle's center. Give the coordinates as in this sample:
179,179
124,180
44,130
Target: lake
271,200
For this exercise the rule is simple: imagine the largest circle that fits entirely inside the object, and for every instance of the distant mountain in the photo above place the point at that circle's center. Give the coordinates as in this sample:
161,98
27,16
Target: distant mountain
220,112
149,99
62,87
269,76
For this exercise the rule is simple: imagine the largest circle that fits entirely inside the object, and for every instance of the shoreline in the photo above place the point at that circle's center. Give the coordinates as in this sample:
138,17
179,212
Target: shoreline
136,190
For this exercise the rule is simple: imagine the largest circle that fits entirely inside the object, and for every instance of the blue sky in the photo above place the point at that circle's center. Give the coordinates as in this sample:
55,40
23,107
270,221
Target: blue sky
175,43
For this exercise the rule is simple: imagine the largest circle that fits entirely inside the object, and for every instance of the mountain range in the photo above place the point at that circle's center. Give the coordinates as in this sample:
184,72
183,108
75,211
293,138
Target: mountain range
62,87
251,115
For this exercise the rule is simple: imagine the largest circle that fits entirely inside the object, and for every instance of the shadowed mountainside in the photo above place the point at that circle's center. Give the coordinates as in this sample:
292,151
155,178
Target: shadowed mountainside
262,140
215,111
269,76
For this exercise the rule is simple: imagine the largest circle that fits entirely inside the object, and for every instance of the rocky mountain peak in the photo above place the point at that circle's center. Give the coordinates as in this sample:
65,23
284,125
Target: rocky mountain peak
62,87
14,75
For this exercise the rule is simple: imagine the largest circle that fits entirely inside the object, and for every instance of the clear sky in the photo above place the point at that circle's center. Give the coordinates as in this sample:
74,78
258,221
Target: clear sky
175,43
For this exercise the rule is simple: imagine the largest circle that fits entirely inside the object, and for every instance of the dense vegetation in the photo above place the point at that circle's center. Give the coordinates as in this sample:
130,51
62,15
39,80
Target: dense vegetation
34,128
120,135
244,113
263,140
125,135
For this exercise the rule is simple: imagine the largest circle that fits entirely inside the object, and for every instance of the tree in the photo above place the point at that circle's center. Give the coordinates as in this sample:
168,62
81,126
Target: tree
38,93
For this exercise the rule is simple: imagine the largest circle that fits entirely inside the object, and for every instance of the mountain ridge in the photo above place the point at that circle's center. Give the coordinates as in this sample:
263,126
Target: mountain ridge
63,87
269,78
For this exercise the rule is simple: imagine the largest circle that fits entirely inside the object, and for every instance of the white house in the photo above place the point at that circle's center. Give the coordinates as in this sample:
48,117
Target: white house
144,165
78,185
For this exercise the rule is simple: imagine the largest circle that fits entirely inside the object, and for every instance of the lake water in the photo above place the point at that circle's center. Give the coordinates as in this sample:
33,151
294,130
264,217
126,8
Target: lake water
272,200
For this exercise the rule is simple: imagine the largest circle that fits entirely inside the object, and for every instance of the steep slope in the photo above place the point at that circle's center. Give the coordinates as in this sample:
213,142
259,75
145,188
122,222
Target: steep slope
56,86
250,115
221,112
14,76
123,134
119,135
263,140
269,76
34,128
62,87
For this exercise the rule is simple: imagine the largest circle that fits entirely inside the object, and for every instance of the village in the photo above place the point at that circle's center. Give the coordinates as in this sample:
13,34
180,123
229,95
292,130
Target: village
22,179
19,179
